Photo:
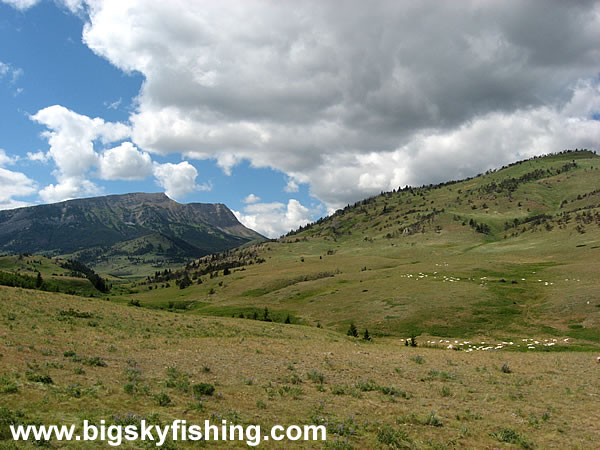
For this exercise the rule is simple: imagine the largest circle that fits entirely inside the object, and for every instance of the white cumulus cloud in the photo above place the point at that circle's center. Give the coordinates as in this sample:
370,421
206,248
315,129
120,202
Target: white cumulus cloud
274,219
124,162
177,179
68,188
13,184
251,198
71,137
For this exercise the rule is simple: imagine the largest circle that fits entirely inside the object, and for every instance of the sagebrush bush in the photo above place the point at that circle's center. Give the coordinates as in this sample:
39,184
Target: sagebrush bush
201,389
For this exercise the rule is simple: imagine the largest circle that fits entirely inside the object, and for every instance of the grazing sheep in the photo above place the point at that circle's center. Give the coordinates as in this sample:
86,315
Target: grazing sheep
598,359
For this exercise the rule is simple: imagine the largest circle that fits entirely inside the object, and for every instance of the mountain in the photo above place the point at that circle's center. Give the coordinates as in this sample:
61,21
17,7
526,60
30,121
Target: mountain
140,227
509,254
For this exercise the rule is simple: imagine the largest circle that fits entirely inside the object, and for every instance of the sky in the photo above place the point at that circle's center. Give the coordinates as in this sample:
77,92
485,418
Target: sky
286,111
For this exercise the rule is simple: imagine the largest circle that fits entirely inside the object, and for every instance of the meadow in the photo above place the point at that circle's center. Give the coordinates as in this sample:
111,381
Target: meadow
533,274
65,359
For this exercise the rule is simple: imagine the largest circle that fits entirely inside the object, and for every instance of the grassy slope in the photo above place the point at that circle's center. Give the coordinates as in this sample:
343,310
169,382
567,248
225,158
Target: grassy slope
260,373
50,269
445,280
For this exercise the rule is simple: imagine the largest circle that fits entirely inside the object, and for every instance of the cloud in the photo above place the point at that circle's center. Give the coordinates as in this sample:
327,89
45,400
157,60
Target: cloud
71,137
177,179
354,97
38,156
14,184
21,5
12,74
68,188
124,162
251,198
5,159
113,105
291,186
274,219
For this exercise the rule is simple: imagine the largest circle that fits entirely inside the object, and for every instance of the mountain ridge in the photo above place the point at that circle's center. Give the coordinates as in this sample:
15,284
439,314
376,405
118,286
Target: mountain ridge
79,225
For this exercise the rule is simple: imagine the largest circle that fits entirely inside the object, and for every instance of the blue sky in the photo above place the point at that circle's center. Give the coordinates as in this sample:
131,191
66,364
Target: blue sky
306,108
47,63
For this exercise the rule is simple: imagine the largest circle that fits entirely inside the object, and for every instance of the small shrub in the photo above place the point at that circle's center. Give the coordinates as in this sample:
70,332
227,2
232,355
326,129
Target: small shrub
505,368
196,406
39,378
291,391
73,390
316,376
162,399
202,389
95,361
338,389
393,391
418,359
177,379
7,385
393,438
7,418
511,436
74,313
367,386
433,420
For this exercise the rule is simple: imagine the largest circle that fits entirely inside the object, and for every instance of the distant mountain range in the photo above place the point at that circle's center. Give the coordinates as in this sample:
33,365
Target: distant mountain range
140,227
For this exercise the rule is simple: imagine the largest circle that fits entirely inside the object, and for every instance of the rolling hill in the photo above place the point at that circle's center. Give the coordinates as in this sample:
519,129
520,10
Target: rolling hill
509,254
126,234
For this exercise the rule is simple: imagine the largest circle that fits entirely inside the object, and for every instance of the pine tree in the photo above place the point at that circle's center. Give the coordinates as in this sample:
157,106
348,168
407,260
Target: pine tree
39,280
352,331
413,341
266,317
366,336
287,319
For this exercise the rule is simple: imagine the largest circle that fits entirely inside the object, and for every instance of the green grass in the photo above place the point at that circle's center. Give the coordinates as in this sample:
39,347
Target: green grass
358,266
160,365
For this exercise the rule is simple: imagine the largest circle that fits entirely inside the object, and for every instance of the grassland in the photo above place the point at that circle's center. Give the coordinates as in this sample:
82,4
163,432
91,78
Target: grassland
106,361
413,262
502,267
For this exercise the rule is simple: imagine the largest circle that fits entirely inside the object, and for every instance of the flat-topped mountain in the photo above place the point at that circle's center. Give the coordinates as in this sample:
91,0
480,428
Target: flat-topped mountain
130,224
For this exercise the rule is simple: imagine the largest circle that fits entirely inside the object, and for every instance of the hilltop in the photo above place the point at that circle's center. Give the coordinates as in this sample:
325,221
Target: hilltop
123,234
508,254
